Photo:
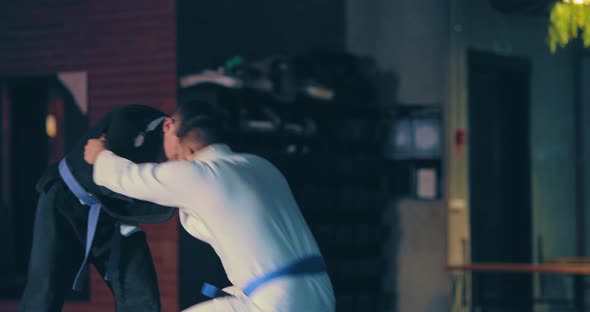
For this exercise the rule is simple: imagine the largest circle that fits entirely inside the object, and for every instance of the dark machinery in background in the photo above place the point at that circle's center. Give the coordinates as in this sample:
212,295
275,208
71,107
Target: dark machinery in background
316,118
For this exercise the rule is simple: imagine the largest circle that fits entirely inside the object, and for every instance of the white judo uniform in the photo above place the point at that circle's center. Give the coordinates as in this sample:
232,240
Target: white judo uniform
242,206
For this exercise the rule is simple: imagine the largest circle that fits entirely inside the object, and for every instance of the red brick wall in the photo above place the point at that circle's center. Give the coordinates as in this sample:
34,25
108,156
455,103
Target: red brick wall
128,49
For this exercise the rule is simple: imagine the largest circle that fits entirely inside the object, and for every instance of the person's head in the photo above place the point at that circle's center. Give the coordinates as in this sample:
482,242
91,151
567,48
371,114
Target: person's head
193,127
171,141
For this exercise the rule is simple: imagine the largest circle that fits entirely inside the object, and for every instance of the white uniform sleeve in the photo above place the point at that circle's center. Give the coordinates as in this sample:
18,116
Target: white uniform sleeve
162,184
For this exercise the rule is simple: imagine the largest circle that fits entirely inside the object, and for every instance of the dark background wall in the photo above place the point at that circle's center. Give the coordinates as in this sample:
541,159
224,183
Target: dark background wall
210,32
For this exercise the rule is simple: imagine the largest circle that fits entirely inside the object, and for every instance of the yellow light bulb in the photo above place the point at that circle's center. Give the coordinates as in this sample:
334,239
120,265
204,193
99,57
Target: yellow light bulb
51,126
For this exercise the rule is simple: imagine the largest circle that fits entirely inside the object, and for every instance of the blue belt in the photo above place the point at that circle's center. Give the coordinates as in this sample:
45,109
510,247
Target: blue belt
309,265
89,200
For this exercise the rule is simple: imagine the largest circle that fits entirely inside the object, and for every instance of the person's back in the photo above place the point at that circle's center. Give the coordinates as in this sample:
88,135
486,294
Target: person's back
242,206
254,224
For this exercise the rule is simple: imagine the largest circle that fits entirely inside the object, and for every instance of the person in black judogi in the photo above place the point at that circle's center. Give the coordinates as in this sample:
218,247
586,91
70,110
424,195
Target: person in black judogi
69,205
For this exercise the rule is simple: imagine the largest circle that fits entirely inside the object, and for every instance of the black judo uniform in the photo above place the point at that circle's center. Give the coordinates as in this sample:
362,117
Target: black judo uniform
59,239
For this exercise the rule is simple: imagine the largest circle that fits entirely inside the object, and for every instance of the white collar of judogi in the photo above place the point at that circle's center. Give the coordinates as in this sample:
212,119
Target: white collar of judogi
212,151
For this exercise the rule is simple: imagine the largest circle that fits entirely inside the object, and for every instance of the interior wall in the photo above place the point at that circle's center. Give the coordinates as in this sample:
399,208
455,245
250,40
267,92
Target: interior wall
424,45
585,102
476,25
409,41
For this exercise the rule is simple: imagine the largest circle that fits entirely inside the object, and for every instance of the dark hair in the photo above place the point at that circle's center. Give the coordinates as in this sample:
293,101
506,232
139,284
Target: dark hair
199,118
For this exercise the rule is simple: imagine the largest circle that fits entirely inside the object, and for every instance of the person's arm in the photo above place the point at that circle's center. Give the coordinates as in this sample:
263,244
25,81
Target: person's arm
164,184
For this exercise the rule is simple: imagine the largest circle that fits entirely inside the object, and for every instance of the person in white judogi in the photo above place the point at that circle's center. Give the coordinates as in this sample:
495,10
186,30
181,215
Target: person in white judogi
242,206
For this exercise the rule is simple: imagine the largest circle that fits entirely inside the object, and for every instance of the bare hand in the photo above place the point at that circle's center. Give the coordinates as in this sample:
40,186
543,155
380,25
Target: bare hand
93,148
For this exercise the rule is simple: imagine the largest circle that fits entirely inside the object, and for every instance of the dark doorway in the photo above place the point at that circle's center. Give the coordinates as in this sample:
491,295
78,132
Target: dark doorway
25,153
499,178
39,121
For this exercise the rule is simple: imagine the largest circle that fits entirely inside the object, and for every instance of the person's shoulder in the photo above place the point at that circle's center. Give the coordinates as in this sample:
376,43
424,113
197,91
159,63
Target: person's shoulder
256,160
183,171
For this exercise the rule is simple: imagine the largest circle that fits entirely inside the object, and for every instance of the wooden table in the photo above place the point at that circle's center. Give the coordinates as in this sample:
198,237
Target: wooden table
571,260
547,268
577,267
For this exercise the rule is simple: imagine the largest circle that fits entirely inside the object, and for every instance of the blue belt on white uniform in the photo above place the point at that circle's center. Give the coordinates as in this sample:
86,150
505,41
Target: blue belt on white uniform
95,206
308,265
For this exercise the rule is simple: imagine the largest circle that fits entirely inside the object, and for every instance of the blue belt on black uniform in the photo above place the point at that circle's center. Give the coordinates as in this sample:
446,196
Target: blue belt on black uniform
93,214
